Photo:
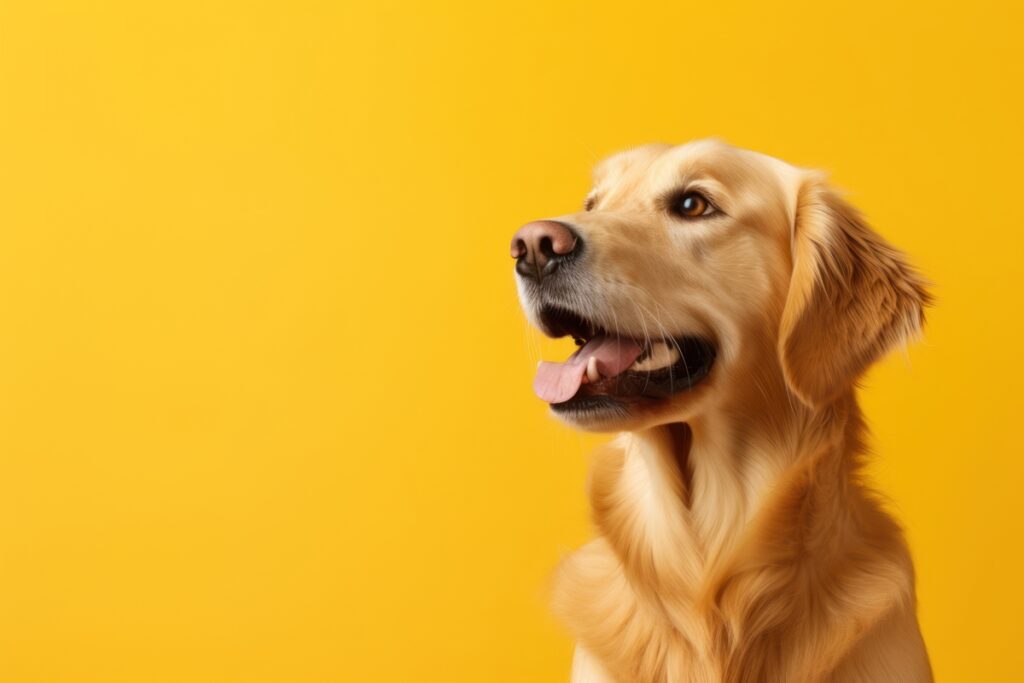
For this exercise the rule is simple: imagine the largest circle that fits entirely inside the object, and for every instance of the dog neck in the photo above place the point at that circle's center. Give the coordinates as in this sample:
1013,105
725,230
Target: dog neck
725,528
718,474
731,461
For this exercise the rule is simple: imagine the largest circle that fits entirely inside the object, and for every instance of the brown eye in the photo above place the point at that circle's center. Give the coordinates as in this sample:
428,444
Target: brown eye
588,204
692,205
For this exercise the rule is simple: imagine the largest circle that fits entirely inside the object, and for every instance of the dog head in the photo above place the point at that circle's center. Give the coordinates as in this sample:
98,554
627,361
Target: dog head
700,271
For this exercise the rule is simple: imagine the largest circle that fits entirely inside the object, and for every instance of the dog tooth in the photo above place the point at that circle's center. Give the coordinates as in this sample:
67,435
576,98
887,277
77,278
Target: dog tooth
592,374
662,355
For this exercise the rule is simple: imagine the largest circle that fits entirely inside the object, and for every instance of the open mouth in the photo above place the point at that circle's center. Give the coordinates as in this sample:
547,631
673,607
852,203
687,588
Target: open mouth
610,369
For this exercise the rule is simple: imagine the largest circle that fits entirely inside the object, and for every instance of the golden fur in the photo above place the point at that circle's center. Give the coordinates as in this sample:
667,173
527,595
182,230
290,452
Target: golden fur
736,540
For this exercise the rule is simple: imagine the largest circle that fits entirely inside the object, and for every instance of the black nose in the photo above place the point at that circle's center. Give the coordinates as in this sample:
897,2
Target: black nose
541,246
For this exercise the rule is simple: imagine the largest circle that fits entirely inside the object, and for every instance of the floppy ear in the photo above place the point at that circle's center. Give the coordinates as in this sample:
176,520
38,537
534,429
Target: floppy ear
851,297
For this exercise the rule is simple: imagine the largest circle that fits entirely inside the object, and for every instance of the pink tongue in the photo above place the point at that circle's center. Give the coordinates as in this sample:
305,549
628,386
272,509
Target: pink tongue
558,382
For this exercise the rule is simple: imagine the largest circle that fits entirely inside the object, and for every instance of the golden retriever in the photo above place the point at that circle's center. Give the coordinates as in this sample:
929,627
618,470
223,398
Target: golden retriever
725,303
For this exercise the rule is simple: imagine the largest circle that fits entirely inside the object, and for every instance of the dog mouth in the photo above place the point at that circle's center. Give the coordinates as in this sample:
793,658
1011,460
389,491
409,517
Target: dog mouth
611,369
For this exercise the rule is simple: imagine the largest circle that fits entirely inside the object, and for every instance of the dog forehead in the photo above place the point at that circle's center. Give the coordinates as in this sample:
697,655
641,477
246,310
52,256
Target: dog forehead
656,165
747,177
628,165
712,157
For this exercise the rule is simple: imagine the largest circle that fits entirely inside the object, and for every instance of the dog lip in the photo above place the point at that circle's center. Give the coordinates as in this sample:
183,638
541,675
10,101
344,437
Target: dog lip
557,321
592,406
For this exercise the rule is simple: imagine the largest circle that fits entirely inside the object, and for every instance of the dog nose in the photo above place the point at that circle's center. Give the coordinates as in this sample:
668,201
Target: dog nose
540,246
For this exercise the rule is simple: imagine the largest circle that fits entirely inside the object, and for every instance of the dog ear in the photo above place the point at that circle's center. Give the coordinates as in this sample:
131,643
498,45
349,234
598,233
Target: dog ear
852,297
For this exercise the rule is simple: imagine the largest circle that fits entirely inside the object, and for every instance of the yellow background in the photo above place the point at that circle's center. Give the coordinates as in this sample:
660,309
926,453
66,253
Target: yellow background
265,407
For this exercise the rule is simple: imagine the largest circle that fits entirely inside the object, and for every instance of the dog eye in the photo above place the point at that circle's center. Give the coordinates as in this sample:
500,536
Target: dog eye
692,205
589,202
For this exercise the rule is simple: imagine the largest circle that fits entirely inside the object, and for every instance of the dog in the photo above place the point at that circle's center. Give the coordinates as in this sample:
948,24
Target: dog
725,304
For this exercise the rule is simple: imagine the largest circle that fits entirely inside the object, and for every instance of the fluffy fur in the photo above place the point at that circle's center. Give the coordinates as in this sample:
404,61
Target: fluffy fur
736,540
